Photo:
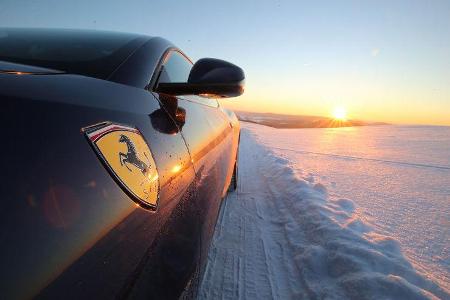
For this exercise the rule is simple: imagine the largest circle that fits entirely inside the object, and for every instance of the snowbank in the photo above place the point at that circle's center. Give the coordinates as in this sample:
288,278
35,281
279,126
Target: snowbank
281,236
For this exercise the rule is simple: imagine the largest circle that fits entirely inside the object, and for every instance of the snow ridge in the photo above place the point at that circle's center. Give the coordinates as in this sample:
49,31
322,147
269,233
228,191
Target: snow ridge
280,236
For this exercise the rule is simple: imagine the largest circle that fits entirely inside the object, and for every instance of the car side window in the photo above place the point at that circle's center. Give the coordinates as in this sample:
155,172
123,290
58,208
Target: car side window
176,68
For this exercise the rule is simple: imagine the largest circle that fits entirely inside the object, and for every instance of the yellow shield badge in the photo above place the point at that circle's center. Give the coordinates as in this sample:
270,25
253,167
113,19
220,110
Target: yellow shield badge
128,158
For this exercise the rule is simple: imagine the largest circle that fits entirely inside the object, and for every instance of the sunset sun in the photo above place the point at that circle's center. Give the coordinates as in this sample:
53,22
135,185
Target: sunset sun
340,113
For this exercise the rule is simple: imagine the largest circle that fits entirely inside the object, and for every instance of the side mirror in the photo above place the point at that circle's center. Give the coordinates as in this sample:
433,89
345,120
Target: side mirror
209,77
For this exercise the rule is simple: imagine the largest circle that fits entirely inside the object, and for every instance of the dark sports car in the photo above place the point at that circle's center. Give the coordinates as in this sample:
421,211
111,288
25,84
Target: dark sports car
115,157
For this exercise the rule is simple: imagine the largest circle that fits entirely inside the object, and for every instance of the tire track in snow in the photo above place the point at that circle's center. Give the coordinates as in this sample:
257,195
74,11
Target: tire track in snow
267,268
246,268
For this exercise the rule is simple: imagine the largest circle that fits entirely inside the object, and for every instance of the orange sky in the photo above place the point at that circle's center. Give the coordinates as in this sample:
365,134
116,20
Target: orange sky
363,101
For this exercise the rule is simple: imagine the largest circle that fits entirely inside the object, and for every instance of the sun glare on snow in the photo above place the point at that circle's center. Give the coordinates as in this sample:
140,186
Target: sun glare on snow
340,113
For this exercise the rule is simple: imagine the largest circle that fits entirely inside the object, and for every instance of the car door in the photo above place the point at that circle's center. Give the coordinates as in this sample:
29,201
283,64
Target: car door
209,137
68,228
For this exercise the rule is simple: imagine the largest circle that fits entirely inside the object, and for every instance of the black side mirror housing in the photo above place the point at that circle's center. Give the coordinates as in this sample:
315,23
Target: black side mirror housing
209,77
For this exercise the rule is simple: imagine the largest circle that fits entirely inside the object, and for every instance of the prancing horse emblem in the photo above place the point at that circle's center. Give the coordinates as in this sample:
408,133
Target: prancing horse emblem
131,156
127,156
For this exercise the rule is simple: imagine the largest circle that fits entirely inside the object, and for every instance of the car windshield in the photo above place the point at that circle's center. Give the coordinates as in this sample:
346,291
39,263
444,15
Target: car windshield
90,53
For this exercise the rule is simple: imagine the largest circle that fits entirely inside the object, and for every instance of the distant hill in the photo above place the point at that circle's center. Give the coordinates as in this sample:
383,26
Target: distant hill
291,121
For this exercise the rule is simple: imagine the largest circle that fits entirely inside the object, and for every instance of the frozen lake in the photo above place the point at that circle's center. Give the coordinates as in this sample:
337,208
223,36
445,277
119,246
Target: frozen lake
344,213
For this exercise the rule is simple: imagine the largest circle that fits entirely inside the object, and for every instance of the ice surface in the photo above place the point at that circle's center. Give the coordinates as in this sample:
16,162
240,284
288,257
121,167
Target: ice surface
317,216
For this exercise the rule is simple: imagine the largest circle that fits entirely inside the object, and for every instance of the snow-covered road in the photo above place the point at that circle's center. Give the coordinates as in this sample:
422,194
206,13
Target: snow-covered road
282,237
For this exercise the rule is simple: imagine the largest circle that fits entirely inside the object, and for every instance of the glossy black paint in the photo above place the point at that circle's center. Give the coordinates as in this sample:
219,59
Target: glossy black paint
67,229
208,76
139,69
85,52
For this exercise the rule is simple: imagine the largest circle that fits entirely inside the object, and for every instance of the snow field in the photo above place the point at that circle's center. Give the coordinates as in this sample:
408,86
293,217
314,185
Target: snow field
281,236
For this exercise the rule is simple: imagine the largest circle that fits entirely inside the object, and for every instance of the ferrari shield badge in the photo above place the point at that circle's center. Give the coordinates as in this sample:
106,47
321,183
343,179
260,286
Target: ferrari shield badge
126,155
